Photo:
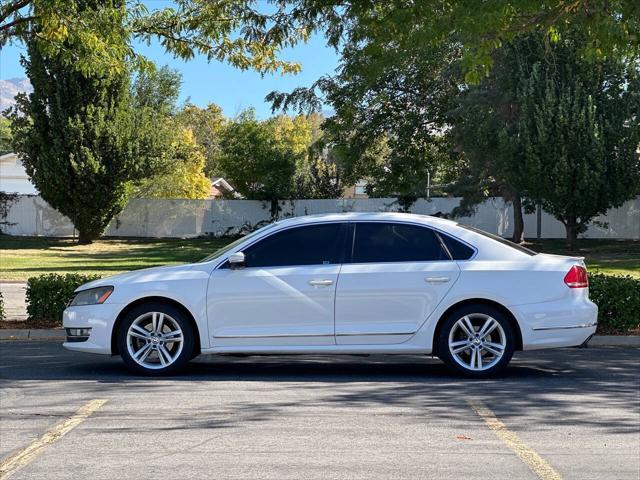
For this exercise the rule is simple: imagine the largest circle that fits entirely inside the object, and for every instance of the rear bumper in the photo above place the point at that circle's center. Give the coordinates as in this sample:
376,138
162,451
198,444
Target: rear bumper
100,318
565,323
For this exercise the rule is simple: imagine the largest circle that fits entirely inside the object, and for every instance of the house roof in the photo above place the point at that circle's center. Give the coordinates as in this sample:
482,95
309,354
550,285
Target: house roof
221,183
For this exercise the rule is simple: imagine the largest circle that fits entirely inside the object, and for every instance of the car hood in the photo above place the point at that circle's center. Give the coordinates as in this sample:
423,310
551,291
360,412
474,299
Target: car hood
143,275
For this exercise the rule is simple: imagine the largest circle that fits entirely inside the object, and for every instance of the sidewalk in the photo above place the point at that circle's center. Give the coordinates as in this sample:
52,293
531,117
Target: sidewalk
15,305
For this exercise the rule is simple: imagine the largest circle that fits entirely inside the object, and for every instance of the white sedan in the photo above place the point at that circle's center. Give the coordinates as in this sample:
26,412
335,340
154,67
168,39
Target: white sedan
385,283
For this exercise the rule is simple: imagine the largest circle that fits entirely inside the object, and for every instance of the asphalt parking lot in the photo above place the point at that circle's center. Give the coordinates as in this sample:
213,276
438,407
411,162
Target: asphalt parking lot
572,413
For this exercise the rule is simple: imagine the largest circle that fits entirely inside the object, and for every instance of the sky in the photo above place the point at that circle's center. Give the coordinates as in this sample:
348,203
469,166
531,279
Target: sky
215,82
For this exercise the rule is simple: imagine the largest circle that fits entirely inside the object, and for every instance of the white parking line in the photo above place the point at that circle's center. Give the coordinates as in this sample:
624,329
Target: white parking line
25,456
534,461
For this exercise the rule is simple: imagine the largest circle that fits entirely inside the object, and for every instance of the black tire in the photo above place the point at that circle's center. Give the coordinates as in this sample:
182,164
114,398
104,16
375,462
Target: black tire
172,315
478,314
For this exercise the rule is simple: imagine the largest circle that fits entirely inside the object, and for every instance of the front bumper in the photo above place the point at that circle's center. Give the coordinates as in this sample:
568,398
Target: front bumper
99,318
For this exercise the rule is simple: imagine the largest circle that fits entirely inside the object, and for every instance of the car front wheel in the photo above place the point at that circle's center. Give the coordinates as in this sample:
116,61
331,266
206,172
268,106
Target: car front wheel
155,339
476,341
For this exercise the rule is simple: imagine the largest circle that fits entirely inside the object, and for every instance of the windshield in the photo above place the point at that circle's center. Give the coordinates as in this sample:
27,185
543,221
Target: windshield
226,248
497,238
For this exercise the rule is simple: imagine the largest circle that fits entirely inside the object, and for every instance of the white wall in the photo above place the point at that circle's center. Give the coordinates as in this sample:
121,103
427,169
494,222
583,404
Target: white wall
13,176
30,215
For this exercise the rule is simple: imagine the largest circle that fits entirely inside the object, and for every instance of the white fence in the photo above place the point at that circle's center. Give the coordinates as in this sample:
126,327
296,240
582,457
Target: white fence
30,215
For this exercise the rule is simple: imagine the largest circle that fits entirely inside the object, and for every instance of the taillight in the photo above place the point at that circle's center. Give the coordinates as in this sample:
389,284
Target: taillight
576,277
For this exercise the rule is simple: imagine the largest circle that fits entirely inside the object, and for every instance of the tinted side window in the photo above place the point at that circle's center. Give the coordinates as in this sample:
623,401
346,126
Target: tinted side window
392,242
312,245
457,249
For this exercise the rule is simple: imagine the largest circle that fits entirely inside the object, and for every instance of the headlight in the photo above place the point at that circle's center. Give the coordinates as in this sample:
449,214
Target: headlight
91,296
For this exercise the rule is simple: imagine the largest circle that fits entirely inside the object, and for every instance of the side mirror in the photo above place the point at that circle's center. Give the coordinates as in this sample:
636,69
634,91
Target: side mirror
236,261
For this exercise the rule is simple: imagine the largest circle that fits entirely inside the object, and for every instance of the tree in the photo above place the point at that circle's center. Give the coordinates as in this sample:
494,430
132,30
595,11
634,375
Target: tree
319,173
291,133
317,177
5,136
390,98
402,62
103,146
227,30
184,175
207,125
484,132
157,89
82,143
578,129
480,27
259,159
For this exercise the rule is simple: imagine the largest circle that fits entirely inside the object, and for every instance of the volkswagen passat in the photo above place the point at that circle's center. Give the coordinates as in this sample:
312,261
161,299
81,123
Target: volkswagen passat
384,283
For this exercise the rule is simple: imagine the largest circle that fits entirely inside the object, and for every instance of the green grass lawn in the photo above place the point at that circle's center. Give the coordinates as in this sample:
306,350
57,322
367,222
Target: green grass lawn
616,257
23,257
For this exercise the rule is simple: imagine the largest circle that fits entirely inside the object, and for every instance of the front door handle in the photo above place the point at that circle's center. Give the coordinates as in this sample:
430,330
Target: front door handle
320,283
436,279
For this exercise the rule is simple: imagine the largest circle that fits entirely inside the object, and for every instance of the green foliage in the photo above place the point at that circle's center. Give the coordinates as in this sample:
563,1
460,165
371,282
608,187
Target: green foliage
479,27
482,119
618,300
259,158
79,31
207,125
2,314
6,201
554,126
48,295
156,92
83,141
279,145
5,136
390,98
317,177
402,62
184,176
577,133
157,89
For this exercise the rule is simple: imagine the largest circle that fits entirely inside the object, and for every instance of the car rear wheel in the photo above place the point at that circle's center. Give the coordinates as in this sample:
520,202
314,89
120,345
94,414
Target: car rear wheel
155,339
476,340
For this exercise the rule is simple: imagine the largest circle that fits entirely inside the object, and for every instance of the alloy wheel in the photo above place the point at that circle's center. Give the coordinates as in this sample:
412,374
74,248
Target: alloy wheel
477,342
155,340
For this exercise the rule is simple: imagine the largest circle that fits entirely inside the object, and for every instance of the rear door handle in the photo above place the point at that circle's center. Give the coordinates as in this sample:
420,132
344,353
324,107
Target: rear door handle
320,283
436,279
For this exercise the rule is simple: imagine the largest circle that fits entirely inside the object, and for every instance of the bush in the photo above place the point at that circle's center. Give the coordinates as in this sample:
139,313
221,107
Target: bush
47,295
618,300
1,307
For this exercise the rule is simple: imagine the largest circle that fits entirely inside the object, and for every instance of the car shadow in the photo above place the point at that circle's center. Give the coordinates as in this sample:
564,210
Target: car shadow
560,387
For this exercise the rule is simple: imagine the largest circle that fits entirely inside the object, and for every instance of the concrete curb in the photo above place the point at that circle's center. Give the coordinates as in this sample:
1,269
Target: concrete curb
615,341
59,335
34,334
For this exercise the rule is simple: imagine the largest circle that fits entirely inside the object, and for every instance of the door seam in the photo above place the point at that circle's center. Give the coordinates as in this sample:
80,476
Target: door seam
335,299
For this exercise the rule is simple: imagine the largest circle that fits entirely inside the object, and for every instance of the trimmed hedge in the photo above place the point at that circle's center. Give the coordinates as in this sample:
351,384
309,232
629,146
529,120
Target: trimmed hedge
47,295
618,300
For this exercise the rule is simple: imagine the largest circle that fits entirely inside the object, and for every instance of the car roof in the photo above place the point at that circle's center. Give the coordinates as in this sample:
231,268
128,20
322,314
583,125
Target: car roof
364,216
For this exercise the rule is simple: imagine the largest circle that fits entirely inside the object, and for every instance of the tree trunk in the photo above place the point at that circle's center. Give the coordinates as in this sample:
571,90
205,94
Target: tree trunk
83,238
275,208
572,234
518,219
